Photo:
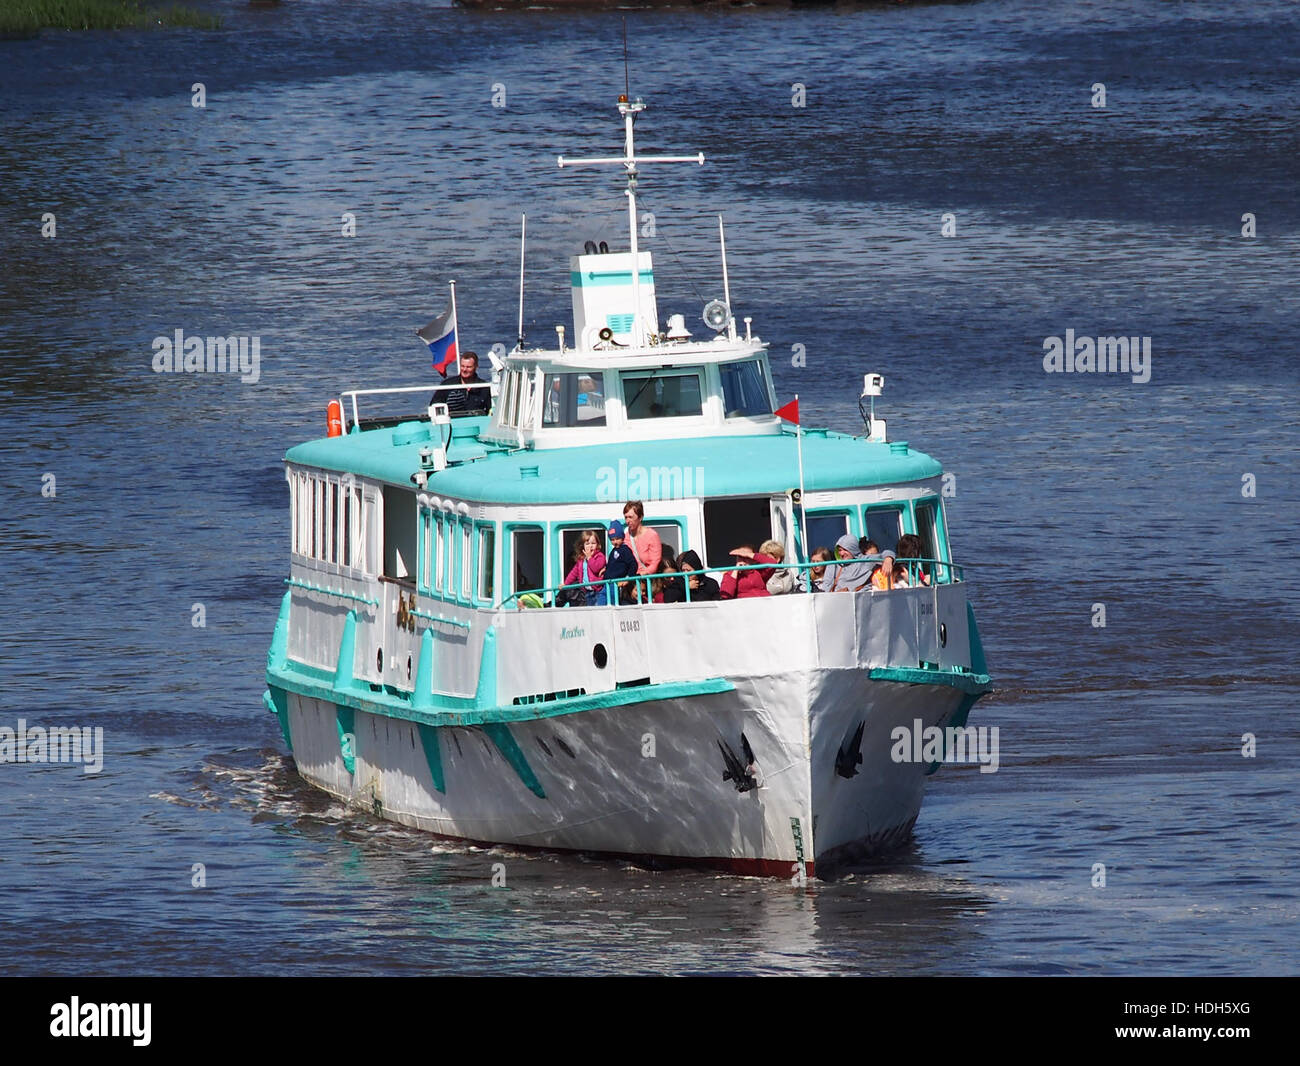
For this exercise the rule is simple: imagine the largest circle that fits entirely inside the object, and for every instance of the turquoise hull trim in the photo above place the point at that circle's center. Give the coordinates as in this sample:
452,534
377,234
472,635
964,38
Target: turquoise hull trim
278,654
747,465
486,694
467,711
345,717
433,756
972,684
499,734
957,722
977,660
277,702
343,678
422,697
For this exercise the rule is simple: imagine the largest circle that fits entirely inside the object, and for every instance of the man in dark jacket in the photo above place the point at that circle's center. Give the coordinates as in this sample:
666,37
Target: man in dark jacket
464,401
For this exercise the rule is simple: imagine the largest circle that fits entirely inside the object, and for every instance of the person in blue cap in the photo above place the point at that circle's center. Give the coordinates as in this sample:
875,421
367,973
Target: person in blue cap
619,562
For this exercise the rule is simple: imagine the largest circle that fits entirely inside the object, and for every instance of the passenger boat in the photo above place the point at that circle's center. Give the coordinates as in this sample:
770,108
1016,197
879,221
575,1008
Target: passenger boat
412,678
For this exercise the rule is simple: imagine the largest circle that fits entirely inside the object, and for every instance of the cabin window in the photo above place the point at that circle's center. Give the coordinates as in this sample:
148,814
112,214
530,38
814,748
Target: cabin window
486,548
466,561
334,540
316,494
449,555
744,390
292,479
731,523
667,393
399,533
570,538
670,534
825,528
304,514
529,567
573,399
348,533
326,519
884,525
435,549
927,528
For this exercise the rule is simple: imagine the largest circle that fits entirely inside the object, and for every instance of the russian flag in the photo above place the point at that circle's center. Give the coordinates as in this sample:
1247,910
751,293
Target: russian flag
440,336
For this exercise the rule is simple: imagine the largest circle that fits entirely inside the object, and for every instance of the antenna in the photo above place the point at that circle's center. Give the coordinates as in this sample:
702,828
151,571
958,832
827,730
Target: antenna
523,229
627,81
629,160
726,284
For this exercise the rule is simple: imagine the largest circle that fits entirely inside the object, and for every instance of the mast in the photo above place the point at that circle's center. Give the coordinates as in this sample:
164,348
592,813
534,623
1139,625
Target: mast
630,161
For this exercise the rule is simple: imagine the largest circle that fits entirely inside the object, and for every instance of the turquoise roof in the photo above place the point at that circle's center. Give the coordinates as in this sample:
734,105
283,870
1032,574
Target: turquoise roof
731,465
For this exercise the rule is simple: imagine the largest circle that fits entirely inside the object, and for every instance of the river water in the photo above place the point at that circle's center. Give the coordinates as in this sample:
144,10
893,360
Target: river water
1171,502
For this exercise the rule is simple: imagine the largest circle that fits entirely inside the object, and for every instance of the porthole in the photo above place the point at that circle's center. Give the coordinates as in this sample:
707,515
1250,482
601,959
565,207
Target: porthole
943,635
599,656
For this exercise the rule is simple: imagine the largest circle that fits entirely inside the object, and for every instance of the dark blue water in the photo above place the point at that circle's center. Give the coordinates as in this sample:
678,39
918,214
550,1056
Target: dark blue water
1120,745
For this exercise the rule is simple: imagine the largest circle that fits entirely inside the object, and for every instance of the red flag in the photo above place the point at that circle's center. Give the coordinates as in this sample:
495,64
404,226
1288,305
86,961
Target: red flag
790,412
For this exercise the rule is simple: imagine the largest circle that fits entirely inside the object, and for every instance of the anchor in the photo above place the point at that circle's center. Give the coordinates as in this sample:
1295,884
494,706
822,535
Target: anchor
740,774
849,756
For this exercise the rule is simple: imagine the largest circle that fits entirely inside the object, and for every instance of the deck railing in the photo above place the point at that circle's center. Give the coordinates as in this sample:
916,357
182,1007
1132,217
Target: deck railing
429,390
942,573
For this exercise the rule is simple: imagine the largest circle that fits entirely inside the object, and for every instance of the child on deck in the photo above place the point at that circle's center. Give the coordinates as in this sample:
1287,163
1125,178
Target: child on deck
620,563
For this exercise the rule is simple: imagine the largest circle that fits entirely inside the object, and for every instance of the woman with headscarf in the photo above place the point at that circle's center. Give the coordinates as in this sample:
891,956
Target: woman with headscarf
851,572
703,587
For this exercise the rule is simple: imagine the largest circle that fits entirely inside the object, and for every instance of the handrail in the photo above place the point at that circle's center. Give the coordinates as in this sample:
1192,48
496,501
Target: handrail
954,573
415,612
352,394
293,582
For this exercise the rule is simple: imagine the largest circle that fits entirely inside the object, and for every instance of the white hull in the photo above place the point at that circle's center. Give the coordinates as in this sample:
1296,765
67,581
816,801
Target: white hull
607,790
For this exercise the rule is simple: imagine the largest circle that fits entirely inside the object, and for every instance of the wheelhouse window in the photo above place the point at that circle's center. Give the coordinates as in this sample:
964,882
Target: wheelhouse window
744,390
573,399
676,392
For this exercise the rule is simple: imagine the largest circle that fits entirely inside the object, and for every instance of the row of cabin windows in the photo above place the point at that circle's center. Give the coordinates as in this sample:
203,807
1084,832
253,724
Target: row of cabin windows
457,555
451,571
577,398
326,518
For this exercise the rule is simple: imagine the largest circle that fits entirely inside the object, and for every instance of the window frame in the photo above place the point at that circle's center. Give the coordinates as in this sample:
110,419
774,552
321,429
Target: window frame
764,387
700,373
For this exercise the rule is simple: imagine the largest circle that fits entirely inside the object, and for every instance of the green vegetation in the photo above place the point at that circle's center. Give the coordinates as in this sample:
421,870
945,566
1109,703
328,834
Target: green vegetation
28,17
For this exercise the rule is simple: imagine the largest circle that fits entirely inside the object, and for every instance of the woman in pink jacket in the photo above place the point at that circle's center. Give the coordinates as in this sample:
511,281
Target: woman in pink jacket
742,584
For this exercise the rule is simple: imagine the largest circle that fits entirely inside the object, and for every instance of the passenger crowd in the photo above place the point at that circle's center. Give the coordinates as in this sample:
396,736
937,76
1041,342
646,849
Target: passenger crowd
636,551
